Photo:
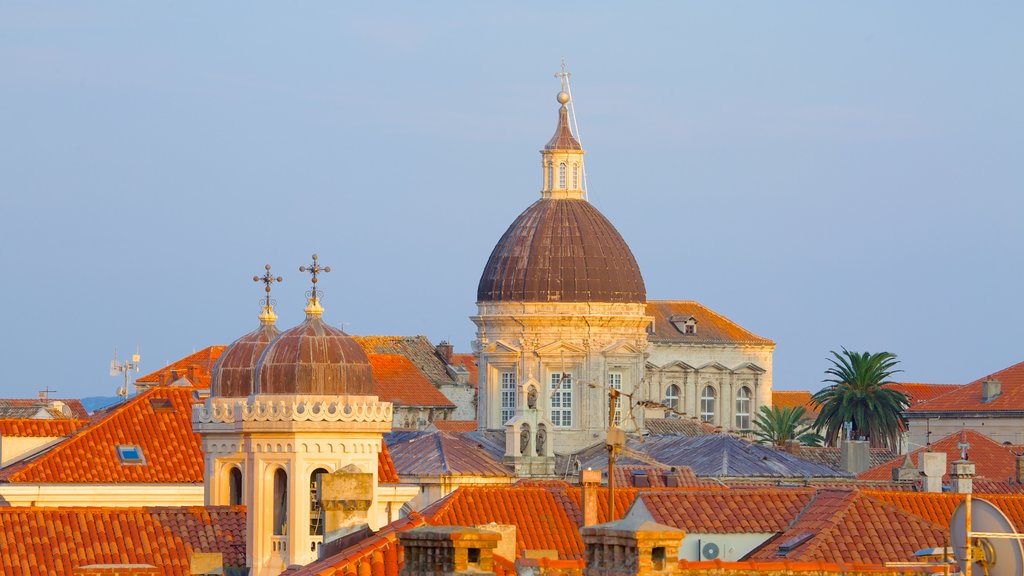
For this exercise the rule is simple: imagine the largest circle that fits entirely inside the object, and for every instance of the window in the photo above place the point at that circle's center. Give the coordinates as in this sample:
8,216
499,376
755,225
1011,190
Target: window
161,404
508,395
561,399
235,486
561,175
707,404
658,558
551,175
280,502
575,176
691,328
615,381
672,396
131,455
316,509
743,409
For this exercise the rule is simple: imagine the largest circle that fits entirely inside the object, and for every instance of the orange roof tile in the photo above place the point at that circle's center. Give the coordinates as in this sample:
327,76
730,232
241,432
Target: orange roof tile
467,361
397,380
786,567
919,392
728,511
938,507
58,540
992,460
197,367
967,398
712,327
794,398
386,473
35,428
76,407
455,425
172,452
661,477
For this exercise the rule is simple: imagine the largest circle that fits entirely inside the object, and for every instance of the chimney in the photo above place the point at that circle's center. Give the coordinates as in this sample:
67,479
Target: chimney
932,467
347,495
905,471
640,479
855,456
961,476
792,446
445,351
631,547
448,550
591,481
991,389
1020,468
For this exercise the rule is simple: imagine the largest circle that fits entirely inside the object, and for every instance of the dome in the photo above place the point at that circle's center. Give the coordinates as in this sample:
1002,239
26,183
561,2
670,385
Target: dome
561,250
236,368
314,358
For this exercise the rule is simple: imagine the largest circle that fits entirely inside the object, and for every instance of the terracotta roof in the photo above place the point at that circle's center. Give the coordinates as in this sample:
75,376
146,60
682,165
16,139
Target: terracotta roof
967,398
35,428
787,568
682,426
171,451
712,327
992,460
659,477
919,392
938,507
386,473
455,425
58,540
26,407
397,380
794,398
467,361
197,367
727,511
561,250
848,526
441,454
417,349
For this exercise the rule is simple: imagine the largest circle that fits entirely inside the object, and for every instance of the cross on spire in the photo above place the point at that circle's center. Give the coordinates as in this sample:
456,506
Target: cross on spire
268,279
314,270
563,76
45,393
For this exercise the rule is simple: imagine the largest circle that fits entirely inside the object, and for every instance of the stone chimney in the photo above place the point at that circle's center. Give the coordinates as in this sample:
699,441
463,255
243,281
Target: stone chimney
448,550
591,481
347,495
445,351
854,456
961,476
905,471
932,466
991,389
631,547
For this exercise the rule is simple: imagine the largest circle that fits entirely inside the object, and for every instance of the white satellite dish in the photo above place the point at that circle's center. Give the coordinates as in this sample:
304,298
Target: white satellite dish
996,547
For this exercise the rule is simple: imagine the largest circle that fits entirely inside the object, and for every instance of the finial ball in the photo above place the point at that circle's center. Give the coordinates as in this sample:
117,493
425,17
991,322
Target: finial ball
279,279
327,269
563,98
255,278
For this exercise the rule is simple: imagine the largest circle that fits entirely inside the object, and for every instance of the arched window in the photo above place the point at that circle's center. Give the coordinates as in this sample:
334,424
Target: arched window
280,502
551,175
743,408
707,404
672,396
561,175
316,495
576,176
508,395
235,486
561,399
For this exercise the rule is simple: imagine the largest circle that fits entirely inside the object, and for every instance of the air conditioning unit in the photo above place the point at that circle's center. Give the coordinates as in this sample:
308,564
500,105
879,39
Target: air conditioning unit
709,549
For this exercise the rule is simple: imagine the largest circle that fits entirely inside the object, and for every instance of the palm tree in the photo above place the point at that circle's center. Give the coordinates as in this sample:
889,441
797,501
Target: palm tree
777,426
856,395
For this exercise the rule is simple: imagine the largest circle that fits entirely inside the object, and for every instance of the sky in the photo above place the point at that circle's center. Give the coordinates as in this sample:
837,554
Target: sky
827,175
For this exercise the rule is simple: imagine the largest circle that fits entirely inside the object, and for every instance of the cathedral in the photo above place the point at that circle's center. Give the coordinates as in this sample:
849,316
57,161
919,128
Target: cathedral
563,318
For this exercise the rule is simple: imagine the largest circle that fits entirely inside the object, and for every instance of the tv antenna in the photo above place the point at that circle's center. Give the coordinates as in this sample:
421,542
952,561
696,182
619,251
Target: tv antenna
563,77
985,540
125,368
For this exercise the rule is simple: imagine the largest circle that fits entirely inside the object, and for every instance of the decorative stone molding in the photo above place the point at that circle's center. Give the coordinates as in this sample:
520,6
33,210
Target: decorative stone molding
303,408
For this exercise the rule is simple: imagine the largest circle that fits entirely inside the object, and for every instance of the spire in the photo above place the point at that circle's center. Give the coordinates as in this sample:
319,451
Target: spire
267,316
563,138
562,156
313,308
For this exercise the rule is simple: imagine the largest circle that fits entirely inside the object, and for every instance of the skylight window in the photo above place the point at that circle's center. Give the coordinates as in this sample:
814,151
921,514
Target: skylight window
131,455
161,404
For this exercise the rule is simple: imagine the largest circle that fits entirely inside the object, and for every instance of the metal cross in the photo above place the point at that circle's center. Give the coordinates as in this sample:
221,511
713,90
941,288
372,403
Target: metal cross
314,270
45,393
268,279
563,76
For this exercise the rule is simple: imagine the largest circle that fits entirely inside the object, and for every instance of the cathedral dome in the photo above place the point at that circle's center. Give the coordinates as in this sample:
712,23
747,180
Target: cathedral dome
236,368
562,249
314,358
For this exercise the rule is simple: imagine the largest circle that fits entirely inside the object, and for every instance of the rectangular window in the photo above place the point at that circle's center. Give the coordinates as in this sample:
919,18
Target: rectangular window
561,399
615,381
130,454
508,395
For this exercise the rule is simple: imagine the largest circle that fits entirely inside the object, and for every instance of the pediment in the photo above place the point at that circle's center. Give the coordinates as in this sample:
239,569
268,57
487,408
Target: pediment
560,348
749,367
502,347
622,347
713,367
677,366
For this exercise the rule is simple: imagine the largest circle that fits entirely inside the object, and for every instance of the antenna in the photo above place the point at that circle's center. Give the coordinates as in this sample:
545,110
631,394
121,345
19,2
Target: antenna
983,538
125,368
567,88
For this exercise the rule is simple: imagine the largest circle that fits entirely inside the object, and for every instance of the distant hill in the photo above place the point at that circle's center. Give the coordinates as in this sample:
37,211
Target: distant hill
94,403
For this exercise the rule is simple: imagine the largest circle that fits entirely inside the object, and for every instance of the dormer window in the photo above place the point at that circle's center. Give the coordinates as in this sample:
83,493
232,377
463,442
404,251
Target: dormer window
685,323
130,455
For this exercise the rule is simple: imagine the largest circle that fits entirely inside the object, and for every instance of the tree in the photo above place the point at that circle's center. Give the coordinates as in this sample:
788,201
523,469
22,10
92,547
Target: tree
777,426
857,395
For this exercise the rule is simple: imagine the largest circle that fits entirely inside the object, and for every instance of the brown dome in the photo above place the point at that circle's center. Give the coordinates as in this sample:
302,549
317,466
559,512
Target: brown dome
236,368
561,250
314,358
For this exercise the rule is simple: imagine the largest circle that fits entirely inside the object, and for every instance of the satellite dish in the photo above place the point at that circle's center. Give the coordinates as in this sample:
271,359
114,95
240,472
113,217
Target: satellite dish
709,551
995,551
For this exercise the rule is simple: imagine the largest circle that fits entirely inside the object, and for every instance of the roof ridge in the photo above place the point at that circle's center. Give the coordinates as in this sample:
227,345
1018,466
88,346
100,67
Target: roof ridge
832,521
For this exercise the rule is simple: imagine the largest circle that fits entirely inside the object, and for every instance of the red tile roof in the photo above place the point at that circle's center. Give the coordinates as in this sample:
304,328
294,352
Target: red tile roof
35,428
467,361
712,327
728,511
172,452
938,507
848,526
794,398
77,409
196,367
992,460
58,540
660,477
397,380
919,392
455,425
386,473
967,398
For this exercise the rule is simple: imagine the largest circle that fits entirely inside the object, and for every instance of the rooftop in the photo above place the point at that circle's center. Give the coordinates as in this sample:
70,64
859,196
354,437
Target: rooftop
992,460
968,398
397,380
712,327
197,368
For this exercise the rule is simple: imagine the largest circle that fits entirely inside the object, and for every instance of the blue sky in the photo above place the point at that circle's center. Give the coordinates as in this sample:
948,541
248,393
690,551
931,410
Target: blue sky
825,174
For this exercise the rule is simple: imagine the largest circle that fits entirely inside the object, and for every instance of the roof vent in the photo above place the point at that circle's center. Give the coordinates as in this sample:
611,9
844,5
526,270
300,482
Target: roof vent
791,544
640,479
685,323
161,404
991,389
